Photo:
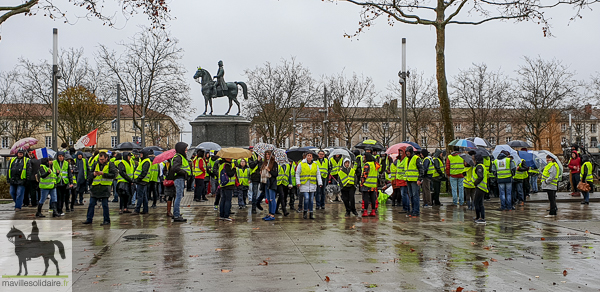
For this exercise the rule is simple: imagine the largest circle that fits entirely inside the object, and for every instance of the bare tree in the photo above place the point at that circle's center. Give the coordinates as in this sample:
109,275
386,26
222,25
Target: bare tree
152,77
276,90
156,11
350,98
386,123
439,14
484,95
542,89
593,87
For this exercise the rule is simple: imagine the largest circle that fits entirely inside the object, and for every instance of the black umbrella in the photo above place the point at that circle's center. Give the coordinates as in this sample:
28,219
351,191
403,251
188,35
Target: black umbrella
295,154
518,144
482,152
467,158
127,146
375,145
153,148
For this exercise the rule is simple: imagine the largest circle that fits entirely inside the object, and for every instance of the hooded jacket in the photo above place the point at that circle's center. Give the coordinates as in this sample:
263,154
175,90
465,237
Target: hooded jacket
35,167
513,169
122,169
176,170
17,166
100,191
145,169
79,165
479,169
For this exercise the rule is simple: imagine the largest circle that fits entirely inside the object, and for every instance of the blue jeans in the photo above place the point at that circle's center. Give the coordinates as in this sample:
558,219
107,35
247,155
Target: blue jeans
458,191
179,191
586,196
308,201
17,192
114,187
142,197
533,182
519,191
405,199
92,206
44,195
241,195
505,191
413,192
271,196
253,192
225,203
320,196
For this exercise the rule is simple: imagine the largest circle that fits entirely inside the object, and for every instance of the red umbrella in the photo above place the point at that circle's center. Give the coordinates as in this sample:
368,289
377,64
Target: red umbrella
394,148
164,156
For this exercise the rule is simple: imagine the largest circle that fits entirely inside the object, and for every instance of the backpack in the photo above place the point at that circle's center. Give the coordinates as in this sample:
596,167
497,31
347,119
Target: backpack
224,178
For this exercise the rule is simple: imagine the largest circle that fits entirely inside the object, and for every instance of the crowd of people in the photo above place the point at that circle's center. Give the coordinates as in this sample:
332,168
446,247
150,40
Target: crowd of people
133,180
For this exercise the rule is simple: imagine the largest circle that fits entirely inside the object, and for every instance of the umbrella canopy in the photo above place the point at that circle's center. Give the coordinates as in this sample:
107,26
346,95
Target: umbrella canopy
127,146
528,157
463,143
413,144
295,154
518,144
87,154
209,146
539,159
234,153
24,143
260,148
467,158
480,142
482,152
370,143
153,148
512,152
393,150
164,156
345,154
546,153
280,156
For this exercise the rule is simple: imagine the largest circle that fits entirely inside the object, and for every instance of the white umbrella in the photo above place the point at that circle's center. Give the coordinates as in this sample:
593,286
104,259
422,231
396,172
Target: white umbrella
512,152
546,153
480,142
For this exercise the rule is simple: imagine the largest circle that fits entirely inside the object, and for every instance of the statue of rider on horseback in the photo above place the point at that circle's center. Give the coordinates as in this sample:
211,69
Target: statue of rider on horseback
212,89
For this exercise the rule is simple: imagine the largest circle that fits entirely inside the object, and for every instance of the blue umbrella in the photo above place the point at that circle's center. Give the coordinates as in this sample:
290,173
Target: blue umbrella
529,159
413,144
463,143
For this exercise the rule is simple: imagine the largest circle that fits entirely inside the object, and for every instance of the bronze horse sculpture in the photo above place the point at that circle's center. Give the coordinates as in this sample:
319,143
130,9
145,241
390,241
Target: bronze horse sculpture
27,249
209,90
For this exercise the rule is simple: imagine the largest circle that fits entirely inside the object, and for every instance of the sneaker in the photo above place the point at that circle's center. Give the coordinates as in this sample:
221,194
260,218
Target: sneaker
480,221
550,216
179,219
241,207
259,207
86,222
228,219
105,223
269,218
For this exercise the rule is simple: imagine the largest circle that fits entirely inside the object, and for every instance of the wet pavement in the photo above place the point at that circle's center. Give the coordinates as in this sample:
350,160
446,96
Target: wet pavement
442,250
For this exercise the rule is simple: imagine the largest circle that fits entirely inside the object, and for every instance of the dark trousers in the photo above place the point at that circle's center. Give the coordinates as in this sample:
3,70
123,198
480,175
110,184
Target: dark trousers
396,197
479,209
190,183
292,194
552,199
262,194
200,190
81,188
217,196
435,195
92,206
370,197
348,199
320,196
142,198
225,204
123,191
73,192
282,197
32,192
62,198
153,192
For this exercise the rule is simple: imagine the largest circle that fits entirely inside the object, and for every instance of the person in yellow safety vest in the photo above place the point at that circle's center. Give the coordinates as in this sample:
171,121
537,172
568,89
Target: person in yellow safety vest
469,182
504,169
347,182
254,164
154,173
83,168
72,191
142,176
47,177
438,176
243,177
206,190
180,170
428,171
414,178
323,164
199,166
124,181
101,177
402,196
493,186
534,173
550,177
226,170
308,179
18,168
454,170
283,183
292,189
63,183
368,185
480,176
519,181
335,163
587,177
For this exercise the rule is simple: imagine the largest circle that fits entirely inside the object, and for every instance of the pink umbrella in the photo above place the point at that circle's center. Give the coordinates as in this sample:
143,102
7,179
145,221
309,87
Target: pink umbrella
164,156
394,148
24,143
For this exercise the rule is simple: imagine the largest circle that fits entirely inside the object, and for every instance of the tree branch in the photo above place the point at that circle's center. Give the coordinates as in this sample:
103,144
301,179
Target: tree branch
488,19
14,10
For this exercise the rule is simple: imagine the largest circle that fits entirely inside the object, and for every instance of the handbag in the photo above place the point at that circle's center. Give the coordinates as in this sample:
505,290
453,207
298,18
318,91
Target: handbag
583,186
168,183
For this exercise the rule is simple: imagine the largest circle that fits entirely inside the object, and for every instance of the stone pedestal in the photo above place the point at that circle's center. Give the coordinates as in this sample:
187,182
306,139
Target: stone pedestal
227,131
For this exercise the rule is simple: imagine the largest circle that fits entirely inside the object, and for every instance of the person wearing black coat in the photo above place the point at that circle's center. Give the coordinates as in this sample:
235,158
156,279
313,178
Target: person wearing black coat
226,192
32,190
179,173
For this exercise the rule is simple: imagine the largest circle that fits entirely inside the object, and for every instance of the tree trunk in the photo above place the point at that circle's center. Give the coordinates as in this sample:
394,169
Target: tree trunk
440,68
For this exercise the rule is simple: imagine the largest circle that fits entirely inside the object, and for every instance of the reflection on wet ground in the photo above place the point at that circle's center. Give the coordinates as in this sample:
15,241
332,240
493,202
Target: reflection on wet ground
440,251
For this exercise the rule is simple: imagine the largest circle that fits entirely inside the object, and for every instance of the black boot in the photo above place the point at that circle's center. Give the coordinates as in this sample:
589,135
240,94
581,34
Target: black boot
311,215
54,212
39,211
304,215
253,208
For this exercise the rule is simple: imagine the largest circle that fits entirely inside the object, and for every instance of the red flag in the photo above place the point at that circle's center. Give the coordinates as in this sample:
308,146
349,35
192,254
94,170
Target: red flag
87,140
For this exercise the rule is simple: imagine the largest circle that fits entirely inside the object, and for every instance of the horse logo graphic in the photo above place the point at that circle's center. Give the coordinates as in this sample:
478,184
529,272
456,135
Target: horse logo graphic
33,247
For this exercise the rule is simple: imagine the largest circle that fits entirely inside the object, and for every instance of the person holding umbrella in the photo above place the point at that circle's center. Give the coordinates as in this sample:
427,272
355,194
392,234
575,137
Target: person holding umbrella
268,178
401,162
308,178
550,183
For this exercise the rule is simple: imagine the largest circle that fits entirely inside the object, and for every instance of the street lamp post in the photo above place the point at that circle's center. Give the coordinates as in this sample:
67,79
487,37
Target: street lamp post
55,77
118,113
403,76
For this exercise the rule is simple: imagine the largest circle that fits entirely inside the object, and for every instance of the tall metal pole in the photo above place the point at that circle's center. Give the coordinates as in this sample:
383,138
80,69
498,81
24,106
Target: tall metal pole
293,142
118,113
55,89
143,125
325,121
404,89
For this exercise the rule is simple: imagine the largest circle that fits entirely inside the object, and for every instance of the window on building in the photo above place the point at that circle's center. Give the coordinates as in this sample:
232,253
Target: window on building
578,127
592,128
385,126
137,139
457,137
365,138
492,140
492,127
457,127
113,125
564,127
563,140
547,142
48,126
156,125
424,141
508,139
113,141
48,140
594,142
365,127
299,128
5,142
508,128
424,129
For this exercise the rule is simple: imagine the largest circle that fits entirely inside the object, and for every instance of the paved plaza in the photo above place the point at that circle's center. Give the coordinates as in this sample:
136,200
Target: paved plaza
442,250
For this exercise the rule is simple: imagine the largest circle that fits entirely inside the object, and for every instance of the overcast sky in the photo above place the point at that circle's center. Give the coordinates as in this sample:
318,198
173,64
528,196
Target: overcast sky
246,34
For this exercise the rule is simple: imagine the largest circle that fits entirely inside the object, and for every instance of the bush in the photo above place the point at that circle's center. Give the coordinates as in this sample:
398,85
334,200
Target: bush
4,188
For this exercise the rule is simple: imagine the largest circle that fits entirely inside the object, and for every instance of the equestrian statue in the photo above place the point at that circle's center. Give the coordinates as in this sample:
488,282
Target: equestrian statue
212,89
